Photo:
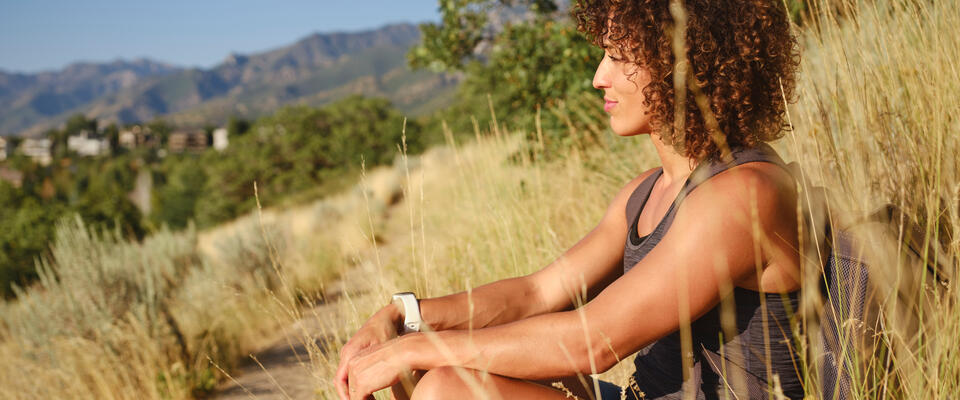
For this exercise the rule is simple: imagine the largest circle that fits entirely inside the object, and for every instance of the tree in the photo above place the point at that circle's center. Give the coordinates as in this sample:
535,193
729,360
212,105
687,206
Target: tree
537,63
450,45
79,122
237,126
28,228
161,130
112,133
180,182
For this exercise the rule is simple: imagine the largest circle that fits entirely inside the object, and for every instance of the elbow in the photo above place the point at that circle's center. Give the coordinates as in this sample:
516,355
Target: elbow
596,358
604,357
540,303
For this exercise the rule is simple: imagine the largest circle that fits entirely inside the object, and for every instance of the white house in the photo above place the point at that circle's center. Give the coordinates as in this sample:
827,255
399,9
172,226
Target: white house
220,140
85,144
136,136
37,149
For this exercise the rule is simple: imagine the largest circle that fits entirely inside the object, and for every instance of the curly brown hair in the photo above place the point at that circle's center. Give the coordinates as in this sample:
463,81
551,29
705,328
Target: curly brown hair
742,57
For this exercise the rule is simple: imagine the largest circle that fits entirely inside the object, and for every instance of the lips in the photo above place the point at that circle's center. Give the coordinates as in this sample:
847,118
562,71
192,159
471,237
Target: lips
608,104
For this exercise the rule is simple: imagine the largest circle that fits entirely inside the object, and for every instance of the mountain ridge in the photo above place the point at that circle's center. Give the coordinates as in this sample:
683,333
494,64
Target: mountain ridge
314,69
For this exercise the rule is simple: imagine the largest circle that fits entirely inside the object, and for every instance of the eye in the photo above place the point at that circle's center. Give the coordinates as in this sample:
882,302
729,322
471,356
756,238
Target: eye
615,57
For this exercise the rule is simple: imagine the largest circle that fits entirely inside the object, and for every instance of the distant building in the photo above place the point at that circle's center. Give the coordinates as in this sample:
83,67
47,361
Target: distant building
11,175
38,150
194,141
220,139
136,136
88,145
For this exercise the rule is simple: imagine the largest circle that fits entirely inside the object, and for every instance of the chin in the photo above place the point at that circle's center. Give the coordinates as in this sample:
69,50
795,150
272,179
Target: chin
627,131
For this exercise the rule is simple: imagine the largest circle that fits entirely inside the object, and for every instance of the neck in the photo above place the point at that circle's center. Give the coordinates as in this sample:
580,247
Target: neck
676,167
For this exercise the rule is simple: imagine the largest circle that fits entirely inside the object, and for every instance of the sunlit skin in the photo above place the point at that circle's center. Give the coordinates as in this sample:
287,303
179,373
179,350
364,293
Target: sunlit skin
526,328
621,82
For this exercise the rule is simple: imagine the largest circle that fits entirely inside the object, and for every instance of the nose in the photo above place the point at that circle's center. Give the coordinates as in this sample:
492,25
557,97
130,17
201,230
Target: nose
601,78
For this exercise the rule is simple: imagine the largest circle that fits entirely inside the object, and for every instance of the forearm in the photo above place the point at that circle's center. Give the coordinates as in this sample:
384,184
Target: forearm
492,304
546,346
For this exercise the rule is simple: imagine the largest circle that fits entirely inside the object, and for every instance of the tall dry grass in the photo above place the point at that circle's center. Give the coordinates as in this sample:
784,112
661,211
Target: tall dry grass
169,317
876,122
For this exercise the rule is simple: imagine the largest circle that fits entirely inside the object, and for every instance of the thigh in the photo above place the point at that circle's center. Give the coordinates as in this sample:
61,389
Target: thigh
461,384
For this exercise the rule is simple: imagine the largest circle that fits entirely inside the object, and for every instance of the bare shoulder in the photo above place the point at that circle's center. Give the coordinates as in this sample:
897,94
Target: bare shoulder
735,203
764,185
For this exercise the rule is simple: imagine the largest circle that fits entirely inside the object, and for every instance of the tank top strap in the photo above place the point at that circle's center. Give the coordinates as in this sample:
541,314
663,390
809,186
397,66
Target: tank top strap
708,169
762,152
640,195
636,248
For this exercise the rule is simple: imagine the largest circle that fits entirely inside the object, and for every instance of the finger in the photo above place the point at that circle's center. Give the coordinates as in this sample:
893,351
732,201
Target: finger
341,375
342,369
355,390
347,353
343,390
340,380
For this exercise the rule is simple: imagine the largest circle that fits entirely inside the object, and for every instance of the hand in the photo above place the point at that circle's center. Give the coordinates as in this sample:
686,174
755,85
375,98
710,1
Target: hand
380,328
377,367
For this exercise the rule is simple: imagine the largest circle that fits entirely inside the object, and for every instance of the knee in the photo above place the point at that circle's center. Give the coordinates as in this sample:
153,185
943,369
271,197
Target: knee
440,383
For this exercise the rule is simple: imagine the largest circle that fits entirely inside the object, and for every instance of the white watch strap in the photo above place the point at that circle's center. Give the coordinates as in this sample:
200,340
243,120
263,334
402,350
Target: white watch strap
411,311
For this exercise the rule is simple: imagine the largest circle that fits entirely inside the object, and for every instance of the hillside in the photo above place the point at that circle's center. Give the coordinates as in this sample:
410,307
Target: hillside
314,70
27,99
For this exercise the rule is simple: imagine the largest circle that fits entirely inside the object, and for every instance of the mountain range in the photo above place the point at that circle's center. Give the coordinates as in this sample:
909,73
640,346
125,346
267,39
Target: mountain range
314,70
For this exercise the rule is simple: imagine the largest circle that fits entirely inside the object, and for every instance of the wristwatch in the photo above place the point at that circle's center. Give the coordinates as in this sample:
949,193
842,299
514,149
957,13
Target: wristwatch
408,304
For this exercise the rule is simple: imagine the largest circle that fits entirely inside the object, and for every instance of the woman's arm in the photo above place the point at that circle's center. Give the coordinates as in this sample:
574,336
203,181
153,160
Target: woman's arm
709,249
593,262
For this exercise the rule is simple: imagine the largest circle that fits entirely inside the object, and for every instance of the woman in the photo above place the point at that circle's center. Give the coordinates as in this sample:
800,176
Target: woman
700,282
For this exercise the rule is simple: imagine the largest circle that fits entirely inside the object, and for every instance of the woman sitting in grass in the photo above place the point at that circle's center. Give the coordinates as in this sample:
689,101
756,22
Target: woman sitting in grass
694,265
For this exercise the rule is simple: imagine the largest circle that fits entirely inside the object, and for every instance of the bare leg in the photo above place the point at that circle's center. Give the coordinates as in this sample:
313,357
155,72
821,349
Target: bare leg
403,389
463,384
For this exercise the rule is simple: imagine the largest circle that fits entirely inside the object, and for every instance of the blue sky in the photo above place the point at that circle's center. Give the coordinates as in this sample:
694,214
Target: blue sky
38,35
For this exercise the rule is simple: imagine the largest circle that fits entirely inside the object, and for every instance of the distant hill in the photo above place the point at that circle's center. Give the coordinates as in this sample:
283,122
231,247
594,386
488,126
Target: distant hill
28,99
316,69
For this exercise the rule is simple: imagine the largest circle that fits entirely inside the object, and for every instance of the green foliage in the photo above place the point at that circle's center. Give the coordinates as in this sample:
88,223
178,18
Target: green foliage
539,66
449,45
237,126
161,129
180,181
102,199
299,148
28,227
112,133
534,64
79,122
94,189
444,47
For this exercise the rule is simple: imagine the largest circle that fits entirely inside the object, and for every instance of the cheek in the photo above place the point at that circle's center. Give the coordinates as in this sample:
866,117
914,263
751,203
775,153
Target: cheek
631,96
633,116
630,89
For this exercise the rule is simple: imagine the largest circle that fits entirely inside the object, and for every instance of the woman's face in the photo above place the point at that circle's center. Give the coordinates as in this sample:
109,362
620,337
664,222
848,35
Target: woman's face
622,82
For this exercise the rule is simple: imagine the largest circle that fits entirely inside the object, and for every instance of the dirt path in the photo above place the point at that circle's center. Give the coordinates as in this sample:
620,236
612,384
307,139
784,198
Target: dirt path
282,369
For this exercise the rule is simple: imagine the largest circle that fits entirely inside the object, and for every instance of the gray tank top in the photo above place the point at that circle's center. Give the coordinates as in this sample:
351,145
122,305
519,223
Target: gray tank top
734,367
